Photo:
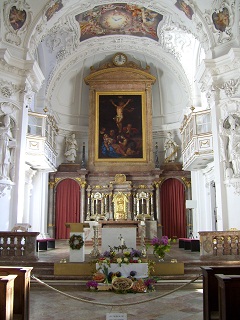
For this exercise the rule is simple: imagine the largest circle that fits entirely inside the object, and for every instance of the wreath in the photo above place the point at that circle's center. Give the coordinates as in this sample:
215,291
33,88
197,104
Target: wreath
76,242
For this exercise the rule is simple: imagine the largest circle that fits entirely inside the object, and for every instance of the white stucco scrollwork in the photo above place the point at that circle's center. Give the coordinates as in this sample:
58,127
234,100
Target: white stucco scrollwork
230,87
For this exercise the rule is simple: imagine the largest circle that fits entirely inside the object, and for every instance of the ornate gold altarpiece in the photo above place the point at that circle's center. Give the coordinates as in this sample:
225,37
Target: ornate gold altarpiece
124,188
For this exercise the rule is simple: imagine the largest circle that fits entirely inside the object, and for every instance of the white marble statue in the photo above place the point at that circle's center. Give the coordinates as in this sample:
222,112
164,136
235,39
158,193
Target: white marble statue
7,143
71,148
170,148
231,146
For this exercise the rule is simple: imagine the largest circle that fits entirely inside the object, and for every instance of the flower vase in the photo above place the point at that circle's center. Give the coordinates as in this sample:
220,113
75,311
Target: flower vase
161,258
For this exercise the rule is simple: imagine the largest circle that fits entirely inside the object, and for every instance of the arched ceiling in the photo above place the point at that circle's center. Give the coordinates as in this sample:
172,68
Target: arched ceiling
170,36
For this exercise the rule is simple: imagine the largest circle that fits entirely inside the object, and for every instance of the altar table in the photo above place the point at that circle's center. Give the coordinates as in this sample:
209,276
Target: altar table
125,269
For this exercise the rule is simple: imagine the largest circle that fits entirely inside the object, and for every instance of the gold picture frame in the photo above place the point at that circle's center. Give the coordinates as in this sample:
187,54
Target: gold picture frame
120,133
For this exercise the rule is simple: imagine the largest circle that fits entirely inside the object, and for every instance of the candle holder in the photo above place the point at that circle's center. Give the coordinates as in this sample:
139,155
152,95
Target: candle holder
143,234
95,252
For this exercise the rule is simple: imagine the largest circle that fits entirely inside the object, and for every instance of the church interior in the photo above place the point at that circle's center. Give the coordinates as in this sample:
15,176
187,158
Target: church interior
120,127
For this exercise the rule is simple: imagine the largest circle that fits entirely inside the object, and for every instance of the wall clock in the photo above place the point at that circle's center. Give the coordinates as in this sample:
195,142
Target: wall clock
119,59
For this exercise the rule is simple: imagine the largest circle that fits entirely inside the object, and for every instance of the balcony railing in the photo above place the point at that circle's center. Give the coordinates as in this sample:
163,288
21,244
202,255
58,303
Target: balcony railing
40,145
197,140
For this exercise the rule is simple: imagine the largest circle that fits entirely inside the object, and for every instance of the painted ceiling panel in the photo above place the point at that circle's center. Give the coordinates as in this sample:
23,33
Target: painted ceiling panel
117,19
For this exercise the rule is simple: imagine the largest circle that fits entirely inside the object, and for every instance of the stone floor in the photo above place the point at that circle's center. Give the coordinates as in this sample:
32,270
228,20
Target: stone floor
70,299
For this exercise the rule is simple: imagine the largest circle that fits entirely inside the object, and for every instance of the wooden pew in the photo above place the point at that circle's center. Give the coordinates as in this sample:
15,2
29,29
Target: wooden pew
228,296
6,294
210,288
21,289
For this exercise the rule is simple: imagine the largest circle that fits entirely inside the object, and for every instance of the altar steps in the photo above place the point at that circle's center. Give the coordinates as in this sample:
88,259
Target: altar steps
45,271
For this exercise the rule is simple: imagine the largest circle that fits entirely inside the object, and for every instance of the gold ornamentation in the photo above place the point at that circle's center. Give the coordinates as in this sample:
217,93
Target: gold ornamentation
51,184
120,201
186,182
120,178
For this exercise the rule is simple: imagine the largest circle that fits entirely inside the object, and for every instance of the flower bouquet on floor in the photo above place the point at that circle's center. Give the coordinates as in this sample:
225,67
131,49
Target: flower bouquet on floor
160,247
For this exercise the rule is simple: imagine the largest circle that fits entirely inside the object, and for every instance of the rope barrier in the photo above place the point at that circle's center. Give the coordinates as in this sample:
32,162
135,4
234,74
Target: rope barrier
114,305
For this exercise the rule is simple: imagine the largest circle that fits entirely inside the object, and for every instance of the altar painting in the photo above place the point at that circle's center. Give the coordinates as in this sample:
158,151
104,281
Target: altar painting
120,127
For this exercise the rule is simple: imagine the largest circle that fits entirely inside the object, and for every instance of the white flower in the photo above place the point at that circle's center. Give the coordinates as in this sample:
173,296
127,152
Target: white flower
125,259
119,260
139,261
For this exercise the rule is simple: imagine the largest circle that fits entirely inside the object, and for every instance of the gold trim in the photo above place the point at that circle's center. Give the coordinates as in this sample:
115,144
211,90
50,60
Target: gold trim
51,184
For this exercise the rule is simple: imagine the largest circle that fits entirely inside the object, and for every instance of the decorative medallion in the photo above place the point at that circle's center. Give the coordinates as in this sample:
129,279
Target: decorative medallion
221,19
17,18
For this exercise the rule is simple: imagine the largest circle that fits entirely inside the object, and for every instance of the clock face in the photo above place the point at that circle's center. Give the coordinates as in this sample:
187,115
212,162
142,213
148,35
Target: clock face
119,59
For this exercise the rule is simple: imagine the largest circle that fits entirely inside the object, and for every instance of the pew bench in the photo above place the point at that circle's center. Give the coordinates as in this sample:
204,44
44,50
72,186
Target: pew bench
228,296
45,244
210,288
21,290
189,244
6,294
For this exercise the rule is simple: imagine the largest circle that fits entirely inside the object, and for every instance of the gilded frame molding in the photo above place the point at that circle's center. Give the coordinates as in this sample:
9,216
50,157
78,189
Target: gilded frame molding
123,112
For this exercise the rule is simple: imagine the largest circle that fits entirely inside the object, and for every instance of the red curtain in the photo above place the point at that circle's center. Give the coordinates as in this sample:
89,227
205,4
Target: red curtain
67,206
172,204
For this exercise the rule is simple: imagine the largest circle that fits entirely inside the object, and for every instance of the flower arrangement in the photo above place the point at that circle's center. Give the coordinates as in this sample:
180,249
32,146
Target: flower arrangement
108,257
92,285
161,246
119,284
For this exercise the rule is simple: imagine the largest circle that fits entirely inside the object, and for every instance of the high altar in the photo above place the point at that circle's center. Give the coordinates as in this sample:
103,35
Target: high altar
119,182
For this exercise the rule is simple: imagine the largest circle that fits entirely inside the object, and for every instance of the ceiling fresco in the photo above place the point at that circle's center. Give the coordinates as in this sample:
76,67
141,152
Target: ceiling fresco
115,19
181,5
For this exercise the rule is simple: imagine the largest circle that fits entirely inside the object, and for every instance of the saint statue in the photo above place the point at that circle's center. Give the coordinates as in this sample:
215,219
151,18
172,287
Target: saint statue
71,148
230,144
7,142
170,148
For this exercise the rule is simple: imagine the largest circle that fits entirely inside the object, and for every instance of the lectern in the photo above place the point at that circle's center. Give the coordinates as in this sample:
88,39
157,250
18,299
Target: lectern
77,229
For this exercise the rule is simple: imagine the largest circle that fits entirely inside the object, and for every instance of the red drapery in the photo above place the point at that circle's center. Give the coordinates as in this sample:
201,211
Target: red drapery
67,206
173,209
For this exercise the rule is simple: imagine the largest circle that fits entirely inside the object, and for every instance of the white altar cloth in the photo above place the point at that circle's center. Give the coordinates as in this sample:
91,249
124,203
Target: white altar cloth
111,236
125,269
